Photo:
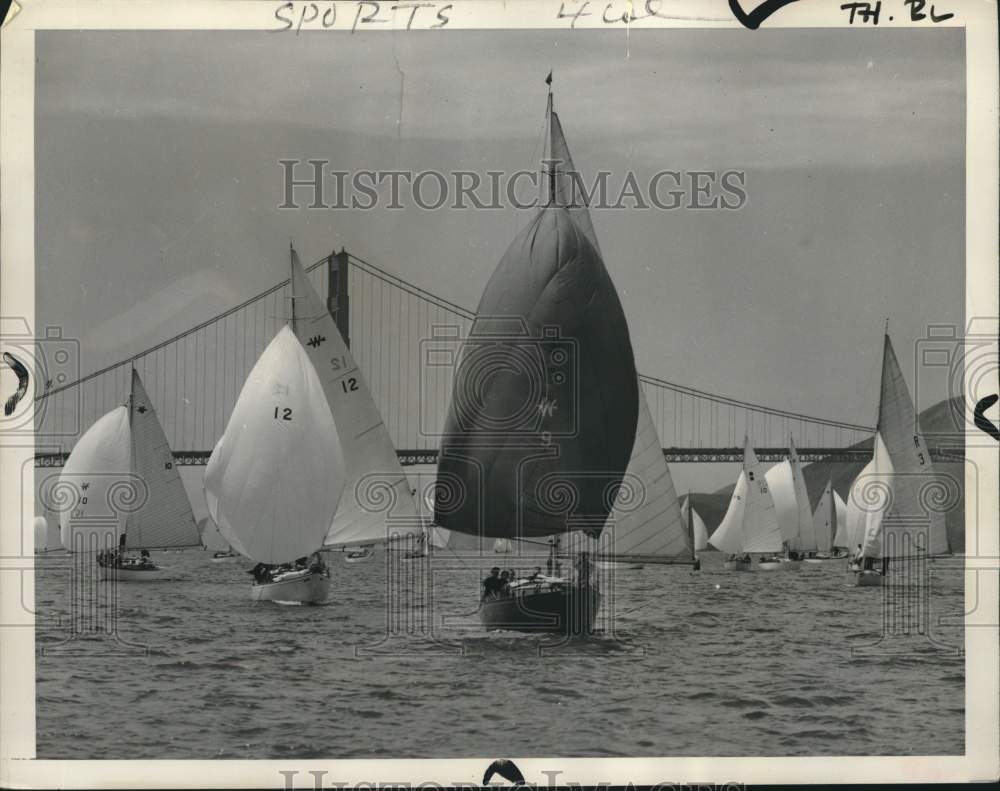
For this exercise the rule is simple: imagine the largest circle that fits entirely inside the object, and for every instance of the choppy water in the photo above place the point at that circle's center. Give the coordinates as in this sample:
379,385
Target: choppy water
707,663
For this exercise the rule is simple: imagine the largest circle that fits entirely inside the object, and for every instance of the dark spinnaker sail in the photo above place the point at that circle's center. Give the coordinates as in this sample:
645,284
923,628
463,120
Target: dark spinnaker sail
543,414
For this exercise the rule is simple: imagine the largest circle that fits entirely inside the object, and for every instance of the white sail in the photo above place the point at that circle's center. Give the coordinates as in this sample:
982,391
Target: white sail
502,546
779,479
377,497
911,461
211,538
700,531
791,502
47,538
438,536
823,519
96,482
856,514
840,536
761,531
281,470
166,519
651,527
213,473
880,500
567,185
728,536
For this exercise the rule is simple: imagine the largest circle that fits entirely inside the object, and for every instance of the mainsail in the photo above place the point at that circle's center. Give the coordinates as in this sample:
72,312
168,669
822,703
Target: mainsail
543,416
374,477
791,502
750,524
280,469
700,539
911,461
166,519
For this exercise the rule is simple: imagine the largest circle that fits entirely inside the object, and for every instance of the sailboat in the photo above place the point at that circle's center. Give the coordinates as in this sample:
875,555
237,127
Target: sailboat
212,539
543,416
378,506
824,520
750,524
887,515
128,492
502,546
697,531
47,539
791,504
275,479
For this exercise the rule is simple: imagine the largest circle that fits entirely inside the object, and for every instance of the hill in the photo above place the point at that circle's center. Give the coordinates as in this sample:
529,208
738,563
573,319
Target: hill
934,421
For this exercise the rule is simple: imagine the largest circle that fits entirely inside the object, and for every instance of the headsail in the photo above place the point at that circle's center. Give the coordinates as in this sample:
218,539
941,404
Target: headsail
373,469
879,494
280,472
166,519
823,519
95,482
791,502
856,513
911,461
840,508
646,521
698,524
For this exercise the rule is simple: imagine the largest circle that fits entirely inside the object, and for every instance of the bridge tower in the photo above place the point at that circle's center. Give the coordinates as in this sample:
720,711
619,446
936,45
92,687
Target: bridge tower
336,292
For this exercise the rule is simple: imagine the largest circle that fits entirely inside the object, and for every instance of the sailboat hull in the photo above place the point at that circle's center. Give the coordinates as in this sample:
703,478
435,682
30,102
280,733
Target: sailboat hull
358,557
791,565
866,579
225,558
564,609
736,565
769,565
151,574
307,587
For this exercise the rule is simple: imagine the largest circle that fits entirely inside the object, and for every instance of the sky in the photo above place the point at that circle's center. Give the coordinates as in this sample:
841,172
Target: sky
158,184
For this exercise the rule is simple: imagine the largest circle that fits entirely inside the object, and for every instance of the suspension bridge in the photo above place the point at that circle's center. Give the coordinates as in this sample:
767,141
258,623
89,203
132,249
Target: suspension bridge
403,338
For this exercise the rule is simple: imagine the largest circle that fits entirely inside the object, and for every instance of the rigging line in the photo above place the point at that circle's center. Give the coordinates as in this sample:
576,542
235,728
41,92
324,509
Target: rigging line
176,337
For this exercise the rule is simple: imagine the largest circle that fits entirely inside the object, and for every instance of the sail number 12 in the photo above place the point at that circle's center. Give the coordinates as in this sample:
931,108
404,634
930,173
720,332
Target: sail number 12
285,413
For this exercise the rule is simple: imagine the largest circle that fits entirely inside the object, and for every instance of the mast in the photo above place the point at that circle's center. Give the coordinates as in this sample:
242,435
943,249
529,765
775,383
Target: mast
550,162
291,280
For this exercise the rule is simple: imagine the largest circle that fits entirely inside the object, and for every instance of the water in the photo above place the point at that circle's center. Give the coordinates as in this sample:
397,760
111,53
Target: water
707,663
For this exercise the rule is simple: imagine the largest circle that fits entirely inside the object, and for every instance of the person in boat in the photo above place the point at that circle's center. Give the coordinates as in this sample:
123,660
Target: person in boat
504,583
491,585
261,573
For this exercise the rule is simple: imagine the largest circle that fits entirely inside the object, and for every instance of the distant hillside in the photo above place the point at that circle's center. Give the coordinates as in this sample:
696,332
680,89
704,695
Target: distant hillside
936,420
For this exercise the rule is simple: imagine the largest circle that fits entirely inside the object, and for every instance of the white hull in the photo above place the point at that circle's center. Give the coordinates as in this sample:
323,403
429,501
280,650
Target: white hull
769,565
225,558
361,558
153,574
737,565
309,587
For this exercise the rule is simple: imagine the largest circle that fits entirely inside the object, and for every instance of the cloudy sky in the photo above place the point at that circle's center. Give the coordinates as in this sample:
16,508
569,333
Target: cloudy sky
158,183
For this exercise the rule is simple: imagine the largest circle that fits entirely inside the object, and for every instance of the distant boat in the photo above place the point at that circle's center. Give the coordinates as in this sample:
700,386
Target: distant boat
840,543
502,546
574,438
750,525
211,538
791,504
824,519
358,554
47,538
125,456
697,532
886,513
275,479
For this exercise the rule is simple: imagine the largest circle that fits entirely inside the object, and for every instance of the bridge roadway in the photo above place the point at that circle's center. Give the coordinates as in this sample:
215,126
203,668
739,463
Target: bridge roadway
954,452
